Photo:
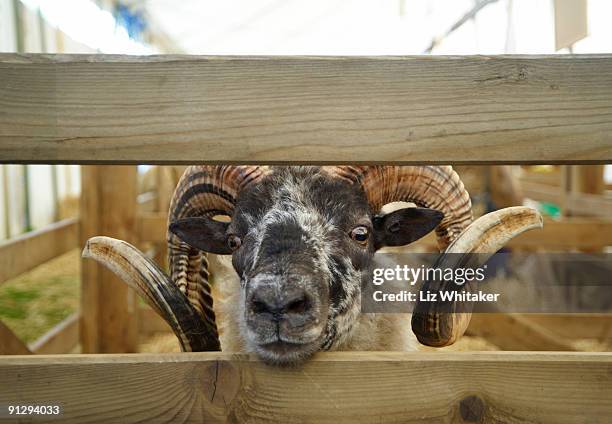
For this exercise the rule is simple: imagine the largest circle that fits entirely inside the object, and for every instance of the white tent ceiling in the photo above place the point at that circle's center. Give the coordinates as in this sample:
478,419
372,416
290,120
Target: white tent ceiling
367,27
305,27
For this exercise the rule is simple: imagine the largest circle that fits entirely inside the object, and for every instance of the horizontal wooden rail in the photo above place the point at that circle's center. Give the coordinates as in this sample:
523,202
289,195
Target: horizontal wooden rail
575,326
549,332
583,204
542,192
570,233
25,252
589,204
334,387
416,109
516,332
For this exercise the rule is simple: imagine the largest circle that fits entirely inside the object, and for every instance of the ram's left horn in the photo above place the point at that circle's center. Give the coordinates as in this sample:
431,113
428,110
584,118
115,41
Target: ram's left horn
194,333
441,324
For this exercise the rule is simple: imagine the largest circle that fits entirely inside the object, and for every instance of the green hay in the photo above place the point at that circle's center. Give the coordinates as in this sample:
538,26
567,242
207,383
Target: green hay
35,302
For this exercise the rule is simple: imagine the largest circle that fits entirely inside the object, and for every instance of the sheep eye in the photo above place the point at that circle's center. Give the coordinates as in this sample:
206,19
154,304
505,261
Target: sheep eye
234,242
360,234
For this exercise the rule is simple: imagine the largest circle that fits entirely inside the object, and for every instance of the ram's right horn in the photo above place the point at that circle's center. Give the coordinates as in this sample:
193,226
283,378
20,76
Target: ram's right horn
441,324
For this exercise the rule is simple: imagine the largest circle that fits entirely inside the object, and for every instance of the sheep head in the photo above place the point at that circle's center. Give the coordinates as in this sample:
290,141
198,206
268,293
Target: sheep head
302,240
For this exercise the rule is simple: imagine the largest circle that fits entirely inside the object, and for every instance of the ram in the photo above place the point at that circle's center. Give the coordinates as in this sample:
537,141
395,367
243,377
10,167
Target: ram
302,242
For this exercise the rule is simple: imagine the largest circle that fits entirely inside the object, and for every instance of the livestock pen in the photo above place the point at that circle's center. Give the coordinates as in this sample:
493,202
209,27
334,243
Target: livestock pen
101,111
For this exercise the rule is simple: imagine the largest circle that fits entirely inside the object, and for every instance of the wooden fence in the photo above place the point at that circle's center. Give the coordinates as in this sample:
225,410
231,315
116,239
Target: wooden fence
332,388
288,110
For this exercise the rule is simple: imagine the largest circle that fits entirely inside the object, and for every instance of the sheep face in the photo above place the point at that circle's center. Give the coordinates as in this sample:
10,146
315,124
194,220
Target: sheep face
302,242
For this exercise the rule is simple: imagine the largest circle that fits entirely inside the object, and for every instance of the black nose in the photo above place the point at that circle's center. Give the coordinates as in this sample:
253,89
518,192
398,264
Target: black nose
278,304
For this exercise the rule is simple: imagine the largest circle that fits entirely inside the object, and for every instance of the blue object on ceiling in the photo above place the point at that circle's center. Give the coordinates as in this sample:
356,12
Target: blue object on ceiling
132,20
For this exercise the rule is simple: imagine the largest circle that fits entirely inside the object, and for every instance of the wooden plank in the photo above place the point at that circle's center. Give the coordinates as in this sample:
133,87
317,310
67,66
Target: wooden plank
589,204
151,227
413,109
516,332
334,387
571,22
588,179
150,322
550,178
32,249
576,326
60,339
108,308
570,233
147,202
542,192
10,344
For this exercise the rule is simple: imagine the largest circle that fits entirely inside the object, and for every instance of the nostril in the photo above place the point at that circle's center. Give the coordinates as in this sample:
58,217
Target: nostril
298,306
259,307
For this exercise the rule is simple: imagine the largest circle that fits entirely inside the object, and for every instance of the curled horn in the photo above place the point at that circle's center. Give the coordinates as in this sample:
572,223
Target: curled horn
437,324
183,300
435,187
140,273
439,187
203,191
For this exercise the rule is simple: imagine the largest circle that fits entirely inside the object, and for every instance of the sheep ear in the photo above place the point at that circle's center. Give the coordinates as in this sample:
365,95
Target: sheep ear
202,233
404,226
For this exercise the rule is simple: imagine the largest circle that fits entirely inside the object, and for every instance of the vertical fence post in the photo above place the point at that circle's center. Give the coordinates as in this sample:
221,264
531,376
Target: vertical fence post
588,179
108,311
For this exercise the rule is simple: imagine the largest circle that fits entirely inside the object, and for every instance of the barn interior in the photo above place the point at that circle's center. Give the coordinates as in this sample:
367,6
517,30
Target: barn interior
51,301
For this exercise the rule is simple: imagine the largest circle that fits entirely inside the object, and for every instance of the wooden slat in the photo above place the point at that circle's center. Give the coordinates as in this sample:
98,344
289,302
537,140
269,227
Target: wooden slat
25,252
516,332
151,227
10,344
147,202
571,233
150,322
108,307
542,192
60,339
186,109
589,204
588,179
576,326
551,178
334,387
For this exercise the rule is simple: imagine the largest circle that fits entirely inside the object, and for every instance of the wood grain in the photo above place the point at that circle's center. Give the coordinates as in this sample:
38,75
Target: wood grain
151,227
569,233
10,344
197,109
108,307
516,332
576,326
589,204
25,252
149,322
333,388
542,192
